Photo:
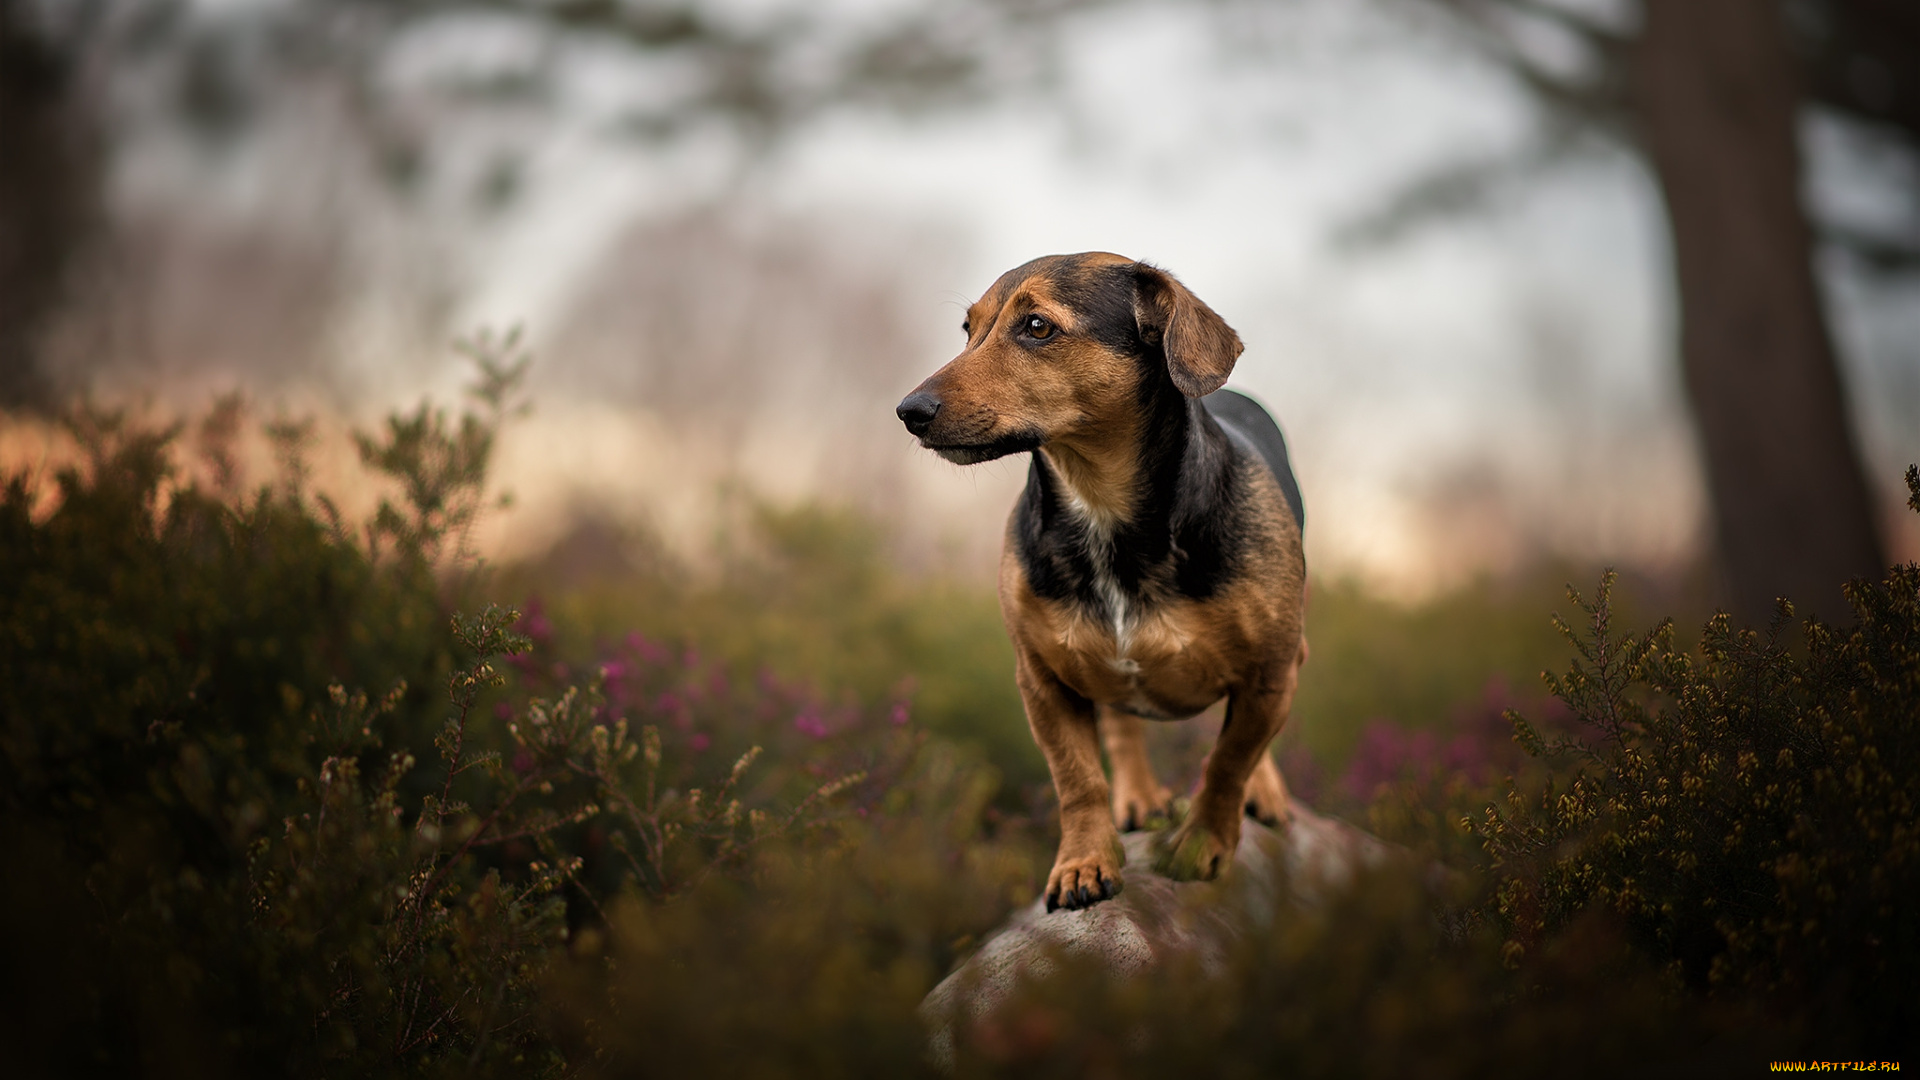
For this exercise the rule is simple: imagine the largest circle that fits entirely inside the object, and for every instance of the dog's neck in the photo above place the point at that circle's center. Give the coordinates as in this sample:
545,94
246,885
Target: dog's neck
1129,488
1099,475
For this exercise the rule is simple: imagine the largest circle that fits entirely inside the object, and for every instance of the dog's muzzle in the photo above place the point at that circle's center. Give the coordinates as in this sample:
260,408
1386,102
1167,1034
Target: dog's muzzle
917,411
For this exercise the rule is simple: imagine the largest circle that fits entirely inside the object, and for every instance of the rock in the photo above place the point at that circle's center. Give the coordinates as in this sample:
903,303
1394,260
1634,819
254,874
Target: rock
1154,917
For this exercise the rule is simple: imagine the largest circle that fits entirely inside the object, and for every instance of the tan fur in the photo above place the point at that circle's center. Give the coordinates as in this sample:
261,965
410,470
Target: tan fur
1164,656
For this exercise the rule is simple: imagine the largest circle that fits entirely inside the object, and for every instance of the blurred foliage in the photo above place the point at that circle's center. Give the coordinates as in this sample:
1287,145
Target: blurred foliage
232,864
167,655
818,966
804,593
1748,810
249,837
441,470
1416,664
809,592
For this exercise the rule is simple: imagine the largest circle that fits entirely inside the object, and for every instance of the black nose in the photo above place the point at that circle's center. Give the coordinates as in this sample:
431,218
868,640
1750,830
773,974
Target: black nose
918,411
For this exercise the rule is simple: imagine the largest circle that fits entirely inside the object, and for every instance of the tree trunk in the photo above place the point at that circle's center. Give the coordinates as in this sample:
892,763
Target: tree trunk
1715,92
48,196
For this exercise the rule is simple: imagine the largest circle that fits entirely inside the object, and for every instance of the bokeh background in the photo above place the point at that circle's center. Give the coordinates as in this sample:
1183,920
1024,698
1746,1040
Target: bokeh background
734,233
1534,287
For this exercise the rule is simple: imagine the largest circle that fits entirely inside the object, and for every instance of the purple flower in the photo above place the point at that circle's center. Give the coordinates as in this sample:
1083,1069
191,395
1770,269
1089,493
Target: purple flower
648,650
534,622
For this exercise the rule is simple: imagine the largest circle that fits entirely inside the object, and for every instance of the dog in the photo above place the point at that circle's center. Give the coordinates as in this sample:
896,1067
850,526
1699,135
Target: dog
1153,564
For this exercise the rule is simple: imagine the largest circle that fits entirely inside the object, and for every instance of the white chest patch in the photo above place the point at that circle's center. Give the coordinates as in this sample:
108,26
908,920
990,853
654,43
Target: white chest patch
1100,521
1120,610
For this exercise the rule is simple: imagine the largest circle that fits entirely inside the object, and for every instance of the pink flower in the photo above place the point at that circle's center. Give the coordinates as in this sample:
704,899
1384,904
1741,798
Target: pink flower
699,741
534,622
648,650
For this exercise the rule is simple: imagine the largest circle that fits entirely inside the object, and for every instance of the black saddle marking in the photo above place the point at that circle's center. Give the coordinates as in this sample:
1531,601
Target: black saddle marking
1247,422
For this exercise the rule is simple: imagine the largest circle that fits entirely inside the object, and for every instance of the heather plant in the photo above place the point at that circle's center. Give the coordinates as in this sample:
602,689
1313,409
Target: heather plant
238,862
440,912
1747,810
440,467
367,902
804,594
814,959
165,644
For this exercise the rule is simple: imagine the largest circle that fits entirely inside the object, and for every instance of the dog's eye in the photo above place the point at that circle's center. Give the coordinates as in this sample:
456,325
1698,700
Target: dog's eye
967,329
1039,328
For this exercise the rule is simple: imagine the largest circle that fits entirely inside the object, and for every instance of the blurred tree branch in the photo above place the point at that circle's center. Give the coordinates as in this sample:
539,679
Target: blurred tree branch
1857,59
764,70
219,75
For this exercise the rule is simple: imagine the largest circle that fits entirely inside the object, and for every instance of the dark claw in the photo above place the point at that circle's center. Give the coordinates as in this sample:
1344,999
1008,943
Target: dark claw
1053,903
1083,896
1106,889
1129,826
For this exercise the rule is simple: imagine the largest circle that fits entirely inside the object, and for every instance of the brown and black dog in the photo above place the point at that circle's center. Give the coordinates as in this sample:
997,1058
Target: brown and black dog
1153,564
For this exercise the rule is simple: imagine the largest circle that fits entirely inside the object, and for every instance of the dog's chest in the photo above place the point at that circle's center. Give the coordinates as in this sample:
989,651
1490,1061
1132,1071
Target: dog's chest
1166,660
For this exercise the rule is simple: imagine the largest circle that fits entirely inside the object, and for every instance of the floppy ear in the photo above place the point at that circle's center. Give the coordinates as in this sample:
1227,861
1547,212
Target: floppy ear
1199,345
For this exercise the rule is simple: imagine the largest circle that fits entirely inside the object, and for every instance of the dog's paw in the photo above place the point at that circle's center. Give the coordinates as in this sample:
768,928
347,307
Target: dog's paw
1141,808
1266,800
1194,853
1083,882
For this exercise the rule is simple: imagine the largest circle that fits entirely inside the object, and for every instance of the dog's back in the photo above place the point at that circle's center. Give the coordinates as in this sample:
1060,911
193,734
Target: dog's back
1250,425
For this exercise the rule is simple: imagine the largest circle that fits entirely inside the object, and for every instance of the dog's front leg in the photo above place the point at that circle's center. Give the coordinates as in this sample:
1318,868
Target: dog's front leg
1087,868
1138,798
1205,842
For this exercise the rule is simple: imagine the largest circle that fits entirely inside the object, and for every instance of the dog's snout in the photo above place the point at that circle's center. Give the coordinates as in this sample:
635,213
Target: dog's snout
917,411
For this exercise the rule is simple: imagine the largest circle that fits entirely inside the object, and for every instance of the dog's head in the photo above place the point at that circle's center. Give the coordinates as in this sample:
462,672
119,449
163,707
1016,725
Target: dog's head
1063,347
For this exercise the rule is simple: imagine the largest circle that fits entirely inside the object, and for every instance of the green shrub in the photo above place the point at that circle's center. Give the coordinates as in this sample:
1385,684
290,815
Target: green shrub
163,650
229,863
1752,811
